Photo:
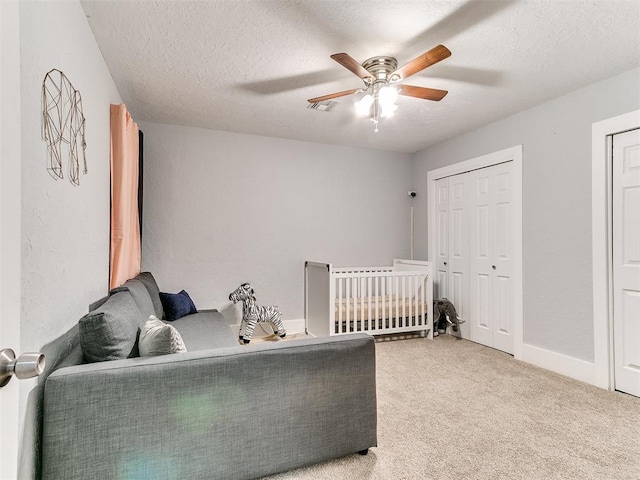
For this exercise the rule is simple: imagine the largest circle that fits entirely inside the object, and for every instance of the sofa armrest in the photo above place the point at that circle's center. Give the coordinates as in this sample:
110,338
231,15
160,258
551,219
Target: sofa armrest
238,412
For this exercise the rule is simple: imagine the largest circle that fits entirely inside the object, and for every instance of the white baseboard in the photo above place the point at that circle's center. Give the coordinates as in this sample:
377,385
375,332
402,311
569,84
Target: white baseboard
559,363
294,326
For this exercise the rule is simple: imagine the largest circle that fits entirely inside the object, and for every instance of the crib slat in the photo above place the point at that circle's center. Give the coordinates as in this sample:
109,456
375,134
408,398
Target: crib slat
392,294
339,303
354,297
362,297
396,291
348,287
412,298
417,308
375,325
369,293
416,321
404,302
423,301
383,322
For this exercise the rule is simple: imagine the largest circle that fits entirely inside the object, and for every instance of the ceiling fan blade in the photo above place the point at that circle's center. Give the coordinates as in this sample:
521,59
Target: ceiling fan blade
334,95
351,64
422,92
425,60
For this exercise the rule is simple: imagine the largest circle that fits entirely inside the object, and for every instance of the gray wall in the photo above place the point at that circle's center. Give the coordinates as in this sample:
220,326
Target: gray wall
556,204
224,208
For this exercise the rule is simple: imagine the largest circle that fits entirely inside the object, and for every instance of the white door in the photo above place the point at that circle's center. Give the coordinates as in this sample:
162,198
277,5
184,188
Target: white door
490,268
9,226
458,263
441,279
626,261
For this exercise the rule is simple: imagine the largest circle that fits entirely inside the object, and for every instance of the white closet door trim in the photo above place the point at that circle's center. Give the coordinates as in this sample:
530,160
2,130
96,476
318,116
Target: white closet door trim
600,240
513,154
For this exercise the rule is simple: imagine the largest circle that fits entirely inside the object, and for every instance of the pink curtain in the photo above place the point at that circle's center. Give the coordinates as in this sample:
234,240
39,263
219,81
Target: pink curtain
125,229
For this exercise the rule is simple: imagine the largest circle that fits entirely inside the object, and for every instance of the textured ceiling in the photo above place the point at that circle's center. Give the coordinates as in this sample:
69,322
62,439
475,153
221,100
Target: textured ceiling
249,66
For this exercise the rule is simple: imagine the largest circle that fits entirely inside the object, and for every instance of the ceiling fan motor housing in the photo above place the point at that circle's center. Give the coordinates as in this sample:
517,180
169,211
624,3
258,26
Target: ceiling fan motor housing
381,67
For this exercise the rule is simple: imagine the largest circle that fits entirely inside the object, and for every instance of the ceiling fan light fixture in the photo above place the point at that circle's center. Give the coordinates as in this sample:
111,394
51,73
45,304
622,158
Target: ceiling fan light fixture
388,110
363,107
387,97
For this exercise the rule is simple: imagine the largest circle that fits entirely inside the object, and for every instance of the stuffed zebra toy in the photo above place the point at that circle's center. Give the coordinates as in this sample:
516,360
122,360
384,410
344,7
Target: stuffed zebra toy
252,313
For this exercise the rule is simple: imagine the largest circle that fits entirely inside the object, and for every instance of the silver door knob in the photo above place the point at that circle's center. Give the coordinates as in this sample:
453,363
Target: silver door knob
445,263
26,366
493,266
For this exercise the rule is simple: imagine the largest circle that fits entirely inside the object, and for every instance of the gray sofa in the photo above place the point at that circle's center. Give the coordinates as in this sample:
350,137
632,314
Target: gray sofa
218,411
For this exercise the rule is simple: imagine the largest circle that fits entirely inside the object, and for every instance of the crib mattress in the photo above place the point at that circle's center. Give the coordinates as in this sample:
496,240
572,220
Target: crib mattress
358,308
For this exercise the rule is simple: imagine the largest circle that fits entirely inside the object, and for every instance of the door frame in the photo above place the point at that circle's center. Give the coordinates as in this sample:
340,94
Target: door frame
513,154
602,241
10,219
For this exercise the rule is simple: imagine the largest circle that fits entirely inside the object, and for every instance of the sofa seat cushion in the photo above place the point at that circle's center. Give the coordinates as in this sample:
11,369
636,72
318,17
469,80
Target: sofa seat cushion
204,330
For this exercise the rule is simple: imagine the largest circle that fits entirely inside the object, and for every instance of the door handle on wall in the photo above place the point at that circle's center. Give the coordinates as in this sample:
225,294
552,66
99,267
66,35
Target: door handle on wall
445,263
27,365
493,266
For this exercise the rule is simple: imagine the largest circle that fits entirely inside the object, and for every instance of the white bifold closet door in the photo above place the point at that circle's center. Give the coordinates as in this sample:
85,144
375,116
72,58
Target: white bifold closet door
474,243
626,261
452,244
441,280
491,307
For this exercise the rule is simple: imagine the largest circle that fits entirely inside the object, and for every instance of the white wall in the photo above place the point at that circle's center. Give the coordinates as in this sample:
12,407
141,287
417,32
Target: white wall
65,229
556,204
224,208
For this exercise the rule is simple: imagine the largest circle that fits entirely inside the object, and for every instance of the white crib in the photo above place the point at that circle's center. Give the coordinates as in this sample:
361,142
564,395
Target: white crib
373,300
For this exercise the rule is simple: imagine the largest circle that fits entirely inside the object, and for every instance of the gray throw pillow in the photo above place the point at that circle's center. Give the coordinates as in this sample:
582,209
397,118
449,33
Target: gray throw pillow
159,338
110,332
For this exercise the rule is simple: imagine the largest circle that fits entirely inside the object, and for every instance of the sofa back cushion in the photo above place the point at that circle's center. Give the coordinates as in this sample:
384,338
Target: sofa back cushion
111,331
140,295
154,292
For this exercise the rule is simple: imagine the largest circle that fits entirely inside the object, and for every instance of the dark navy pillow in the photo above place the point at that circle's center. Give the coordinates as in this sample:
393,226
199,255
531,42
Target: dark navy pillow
176,305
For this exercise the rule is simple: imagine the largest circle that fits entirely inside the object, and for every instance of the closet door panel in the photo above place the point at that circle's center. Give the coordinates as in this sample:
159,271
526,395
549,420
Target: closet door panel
502,314
482,232
491,289
626,261
441,280
481,317
483,301
459,248
502,257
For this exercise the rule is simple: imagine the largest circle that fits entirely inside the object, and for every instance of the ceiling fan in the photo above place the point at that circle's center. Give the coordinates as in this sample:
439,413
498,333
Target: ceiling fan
381,76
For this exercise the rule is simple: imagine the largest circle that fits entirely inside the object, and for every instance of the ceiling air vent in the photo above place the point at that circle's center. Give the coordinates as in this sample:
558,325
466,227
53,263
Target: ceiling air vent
325,106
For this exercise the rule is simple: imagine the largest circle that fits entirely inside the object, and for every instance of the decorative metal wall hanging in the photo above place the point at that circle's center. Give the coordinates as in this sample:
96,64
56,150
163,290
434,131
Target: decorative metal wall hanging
63,125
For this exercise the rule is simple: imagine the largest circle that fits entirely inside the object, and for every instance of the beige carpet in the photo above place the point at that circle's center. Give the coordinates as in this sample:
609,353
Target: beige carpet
452,409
